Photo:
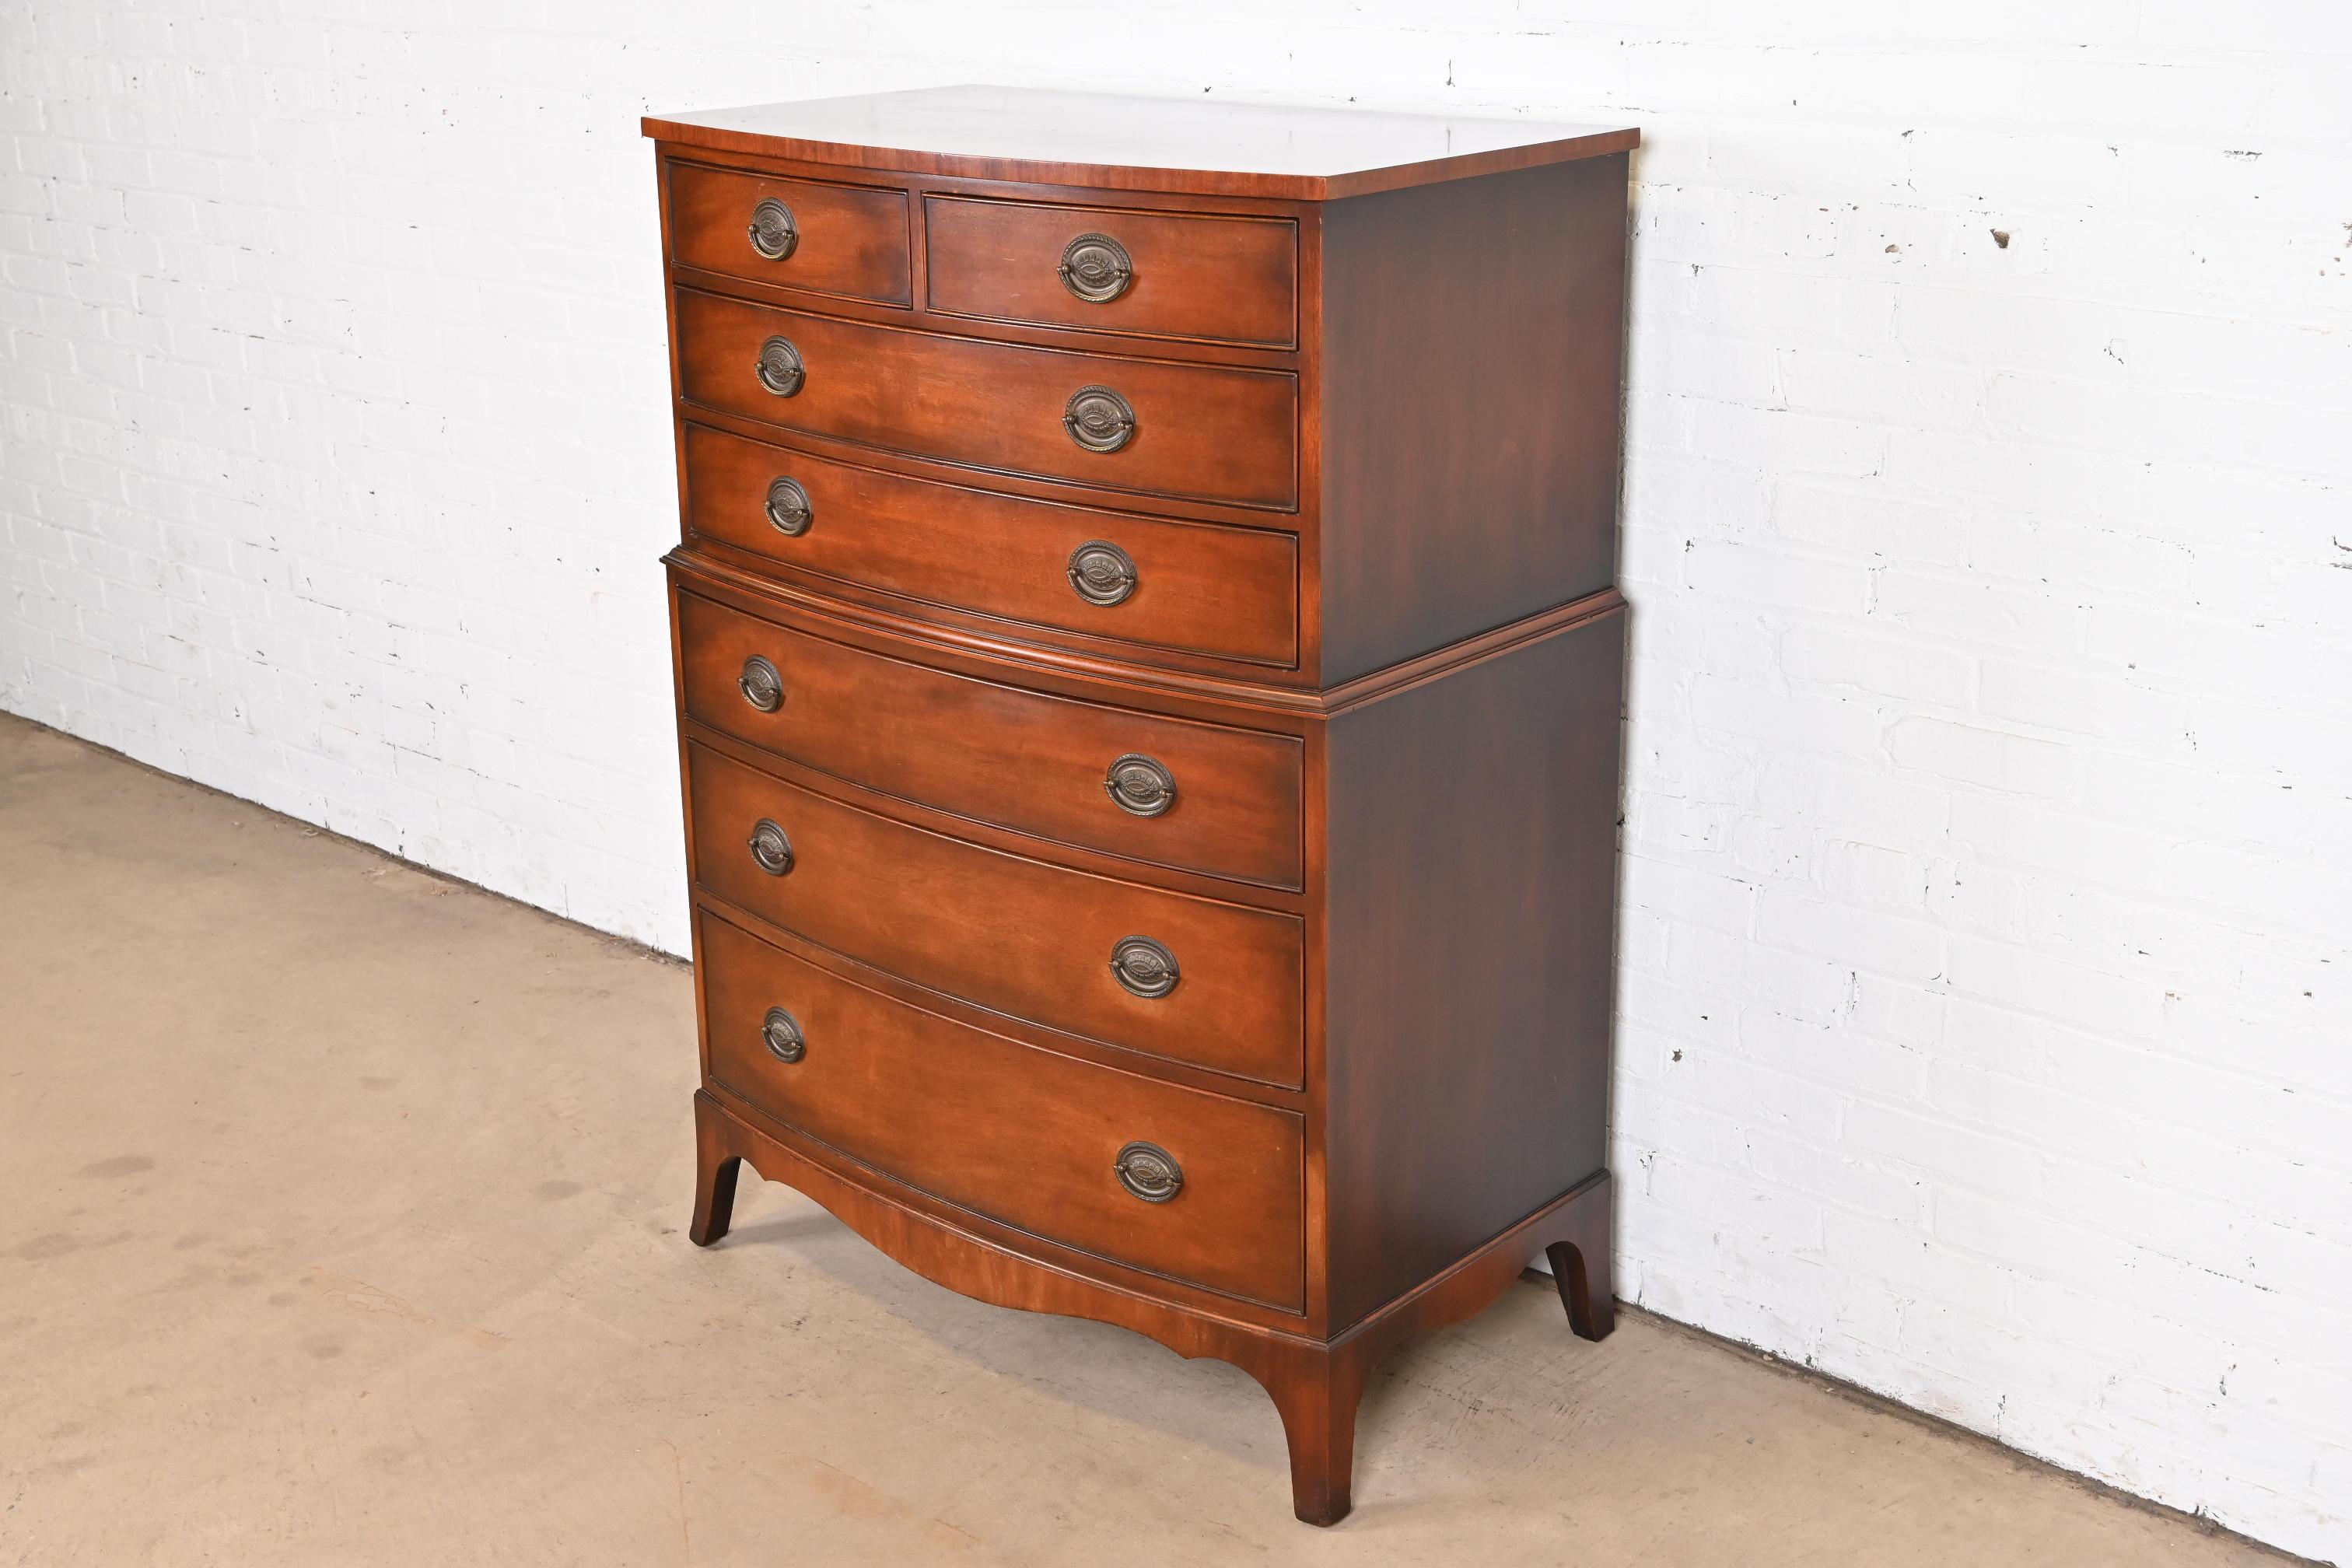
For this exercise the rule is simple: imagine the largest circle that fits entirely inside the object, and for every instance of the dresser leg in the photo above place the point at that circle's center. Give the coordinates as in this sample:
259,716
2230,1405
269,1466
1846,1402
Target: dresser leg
1580,1262
1316,1391
716,1167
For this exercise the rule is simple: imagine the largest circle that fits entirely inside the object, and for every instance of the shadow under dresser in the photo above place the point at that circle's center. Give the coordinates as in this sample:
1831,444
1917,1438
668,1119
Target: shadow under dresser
1149,679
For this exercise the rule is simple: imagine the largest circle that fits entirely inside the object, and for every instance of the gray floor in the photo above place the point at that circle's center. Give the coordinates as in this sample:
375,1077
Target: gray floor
344,1223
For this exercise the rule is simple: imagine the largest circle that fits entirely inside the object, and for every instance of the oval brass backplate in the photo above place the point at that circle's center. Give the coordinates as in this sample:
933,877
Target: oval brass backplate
773,233
790,511
1150,1172
781,369
1141,786
1101,572
781,1031
1143,968
761,685
1098,419
1095,267
770,850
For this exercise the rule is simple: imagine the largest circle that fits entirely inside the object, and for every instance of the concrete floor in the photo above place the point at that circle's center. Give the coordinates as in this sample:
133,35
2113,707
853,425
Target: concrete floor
344,1224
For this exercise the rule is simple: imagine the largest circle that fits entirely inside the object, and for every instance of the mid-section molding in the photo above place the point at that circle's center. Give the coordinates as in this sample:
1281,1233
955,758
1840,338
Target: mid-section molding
732,584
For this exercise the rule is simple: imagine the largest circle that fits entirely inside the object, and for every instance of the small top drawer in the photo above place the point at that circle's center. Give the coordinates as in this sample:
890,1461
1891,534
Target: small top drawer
800,234
1155,274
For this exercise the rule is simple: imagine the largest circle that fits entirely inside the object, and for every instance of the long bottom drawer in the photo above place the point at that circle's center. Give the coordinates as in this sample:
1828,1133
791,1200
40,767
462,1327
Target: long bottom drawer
1191,1186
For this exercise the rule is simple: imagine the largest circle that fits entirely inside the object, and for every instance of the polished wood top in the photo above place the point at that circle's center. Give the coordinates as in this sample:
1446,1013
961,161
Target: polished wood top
1192,145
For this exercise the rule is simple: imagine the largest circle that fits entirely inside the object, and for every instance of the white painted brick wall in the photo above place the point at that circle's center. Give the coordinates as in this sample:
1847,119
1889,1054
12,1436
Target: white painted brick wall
1985,1031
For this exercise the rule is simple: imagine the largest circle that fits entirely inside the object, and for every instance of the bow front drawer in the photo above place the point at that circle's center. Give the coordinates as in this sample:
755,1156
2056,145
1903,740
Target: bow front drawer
1154,428
1148,584
1109,270
1170,974
820,236
1195,1186
1169,792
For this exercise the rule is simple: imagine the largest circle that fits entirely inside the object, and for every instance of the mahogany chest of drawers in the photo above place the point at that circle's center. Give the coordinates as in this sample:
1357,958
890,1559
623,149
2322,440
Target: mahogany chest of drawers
1148,681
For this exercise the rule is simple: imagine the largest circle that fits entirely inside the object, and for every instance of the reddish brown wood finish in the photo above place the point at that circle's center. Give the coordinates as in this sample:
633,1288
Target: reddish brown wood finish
1021,1135
1468,923
1222,593
1373,511
1022,936
1208,434
1582,1268
853,240
1003,754
1473,339
1229,279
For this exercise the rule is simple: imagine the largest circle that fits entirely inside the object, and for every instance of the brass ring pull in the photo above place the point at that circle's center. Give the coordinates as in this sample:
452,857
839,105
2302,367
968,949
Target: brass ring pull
781,369
1098,419
771,851
1150,1172
1144,968
762,686
781,1031
789,510
1140,785
1101,572
1095,267
774,235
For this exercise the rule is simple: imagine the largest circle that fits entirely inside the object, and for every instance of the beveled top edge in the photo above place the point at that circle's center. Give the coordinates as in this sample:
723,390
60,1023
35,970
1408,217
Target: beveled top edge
1187,145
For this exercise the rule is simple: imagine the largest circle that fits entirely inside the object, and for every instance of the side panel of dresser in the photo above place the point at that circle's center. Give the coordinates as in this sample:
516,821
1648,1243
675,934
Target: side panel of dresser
1472,371
1469,925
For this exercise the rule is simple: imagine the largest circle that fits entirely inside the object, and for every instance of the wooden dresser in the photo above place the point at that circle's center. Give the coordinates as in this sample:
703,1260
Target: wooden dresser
1148,683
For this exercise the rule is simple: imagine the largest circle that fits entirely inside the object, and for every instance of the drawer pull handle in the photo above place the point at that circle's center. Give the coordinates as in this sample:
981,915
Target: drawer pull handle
1141,787
1143,968
770,850
1097,418
762,686
774,235
781,369
1101,572
783,1033
1095,267
789,510
1150,1172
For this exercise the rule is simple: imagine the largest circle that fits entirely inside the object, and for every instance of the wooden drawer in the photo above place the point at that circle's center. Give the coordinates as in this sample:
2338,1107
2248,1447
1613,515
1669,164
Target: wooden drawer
1227,593
1209,433
1009,934
1159,273
1025,1137
1001,755
843,239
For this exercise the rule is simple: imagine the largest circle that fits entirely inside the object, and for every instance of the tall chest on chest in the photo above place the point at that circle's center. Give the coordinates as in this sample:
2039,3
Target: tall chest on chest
1149,678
